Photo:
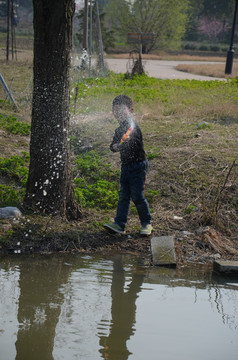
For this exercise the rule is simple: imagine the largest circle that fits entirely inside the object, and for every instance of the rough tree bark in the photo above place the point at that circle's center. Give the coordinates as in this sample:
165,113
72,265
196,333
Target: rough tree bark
49,187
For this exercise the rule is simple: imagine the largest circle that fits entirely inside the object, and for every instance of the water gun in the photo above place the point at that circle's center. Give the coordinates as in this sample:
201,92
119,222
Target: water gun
126,135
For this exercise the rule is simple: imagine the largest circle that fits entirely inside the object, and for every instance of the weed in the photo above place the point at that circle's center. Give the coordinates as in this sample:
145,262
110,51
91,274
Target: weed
151,195
189,209
203,125
152,154
213,199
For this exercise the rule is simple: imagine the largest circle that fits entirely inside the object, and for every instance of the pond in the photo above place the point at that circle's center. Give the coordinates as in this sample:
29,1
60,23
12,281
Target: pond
114,307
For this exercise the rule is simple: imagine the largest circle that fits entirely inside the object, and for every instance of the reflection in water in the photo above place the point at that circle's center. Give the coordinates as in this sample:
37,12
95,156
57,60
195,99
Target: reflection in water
60,308
9,294
225,292
39,307
123,312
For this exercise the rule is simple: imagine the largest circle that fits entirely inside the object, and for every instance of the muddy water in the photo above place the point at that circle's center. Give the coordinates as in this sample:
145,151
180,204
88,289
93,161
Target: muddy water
115,308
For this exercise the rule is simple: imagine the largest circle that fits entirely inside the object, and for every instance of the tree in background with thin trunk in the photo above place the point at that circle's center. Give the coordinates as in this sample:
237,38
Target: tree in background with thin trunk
166,19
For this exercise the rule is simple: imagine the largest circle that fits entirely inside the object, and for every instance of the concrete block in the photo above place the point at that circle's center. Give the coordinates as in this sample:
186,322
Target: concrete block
163,252
226,266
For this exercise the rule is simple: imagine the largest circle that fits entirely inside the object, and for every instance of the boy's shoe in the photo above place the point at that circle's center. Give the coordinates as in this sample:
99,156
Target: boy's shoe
115,227
146,230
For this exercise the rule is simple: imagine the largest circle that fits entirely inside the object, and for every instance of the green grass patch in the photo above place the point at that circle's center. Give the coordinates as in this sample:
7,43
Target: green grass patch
144,90
15,168
11,195
13,126
96,183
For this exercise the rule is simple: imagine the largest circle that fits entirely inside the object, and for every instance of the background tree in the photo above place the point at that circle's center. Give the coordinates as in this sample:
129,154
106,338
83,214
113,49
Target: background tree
49,187
3,8
218,8
108,39
213,28
166,19
209,20
220,13
194,11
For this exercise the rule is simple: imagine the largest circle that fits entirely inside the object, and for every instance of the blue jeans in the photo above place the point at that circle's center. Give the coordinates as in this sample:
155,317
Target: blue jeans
132,183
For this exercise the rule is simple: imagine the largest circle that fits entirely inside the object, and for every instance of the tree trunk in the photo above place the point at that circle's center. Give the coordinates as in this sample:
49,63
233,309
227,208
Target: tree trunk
85,25
49,187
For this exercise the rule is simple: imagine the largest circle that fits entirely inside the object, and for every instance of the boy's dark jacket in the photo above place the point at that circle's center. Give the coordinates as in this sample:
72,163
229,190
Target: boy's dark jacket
131,151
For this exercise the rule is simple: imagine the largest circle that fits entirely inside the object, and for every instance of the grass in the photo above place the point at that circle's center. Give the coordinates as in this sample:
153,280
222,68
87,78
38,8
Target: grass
18,76
190,135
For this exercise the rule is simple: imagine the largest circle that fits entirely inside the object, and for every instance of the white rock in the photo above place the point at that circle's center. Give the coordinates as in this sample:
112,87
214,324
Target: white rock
178,217
186,233
10,212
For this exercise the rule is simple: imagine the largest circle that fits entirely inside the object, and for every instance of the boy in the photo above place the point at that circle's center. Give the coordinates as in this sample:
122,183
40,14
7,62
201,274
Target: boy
128,141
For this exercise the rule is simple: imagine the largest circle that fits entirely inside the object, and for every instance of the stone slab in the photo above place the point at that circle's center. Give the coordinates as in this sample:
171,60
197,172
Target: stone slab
163,252
226,266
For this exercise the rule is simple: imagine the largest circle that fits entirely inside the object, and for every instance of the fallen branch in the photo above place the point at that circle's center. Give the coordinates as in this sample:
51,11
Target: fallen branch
211,237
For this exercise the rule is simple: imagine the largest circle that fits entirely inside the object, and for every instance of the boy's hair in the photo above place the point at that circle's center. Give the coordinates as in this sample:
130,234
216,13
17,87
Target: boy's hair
123,100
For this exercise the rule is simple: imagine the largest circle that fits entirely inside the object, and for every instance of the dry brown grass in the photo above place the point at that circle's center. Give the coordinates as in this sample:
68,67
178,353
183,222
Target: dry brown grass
164,56
22,55
213,70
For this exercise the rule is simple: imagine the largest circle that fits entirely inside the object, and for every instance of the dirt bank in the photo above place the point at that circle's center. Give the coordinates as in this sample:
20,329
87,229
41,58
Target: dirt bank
36,234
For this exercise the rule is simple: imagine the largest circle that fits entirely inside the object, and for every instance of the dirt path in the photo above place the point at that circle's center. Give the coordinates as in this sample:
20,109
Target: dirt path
161,69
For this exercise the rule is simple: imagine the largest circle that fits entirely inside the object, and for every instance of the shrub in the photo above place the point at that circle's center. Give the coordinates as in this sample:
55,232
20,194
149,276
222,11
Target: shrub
203,48
189,47
215,48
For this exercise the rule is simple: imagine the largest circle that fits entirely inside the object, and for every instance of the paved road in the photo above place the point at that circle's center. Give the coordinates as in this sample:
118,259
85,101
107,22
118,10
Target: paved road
161,69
